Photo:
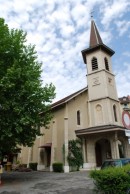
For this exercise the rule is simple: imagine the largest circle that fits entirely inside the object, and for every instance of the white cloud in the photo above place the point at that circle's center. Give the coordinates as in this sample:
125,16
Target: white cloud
127,54
123,80
113,10
60,29
122,26
67,31
78,11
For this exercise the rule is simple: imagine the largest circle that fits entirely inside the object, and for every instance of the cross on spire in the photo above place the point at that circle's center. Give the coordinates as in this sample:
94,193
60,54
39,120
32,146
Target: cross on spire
91,14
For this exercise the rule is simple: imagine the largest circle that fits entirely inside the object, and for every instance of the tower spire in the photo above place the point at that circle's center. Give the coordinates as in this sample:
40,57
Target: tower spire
95,38
95,43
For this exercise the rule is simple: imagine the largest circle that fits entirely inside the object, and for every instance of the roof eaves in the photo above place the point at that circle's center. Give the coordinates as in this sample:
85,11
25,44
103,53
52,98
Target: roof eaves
99,128
95,48
68,99
83,90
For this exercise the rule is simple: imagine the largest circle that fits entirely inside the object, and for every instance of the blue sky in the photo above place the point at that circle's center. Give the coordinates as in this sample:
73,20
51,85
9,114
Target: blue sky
60,29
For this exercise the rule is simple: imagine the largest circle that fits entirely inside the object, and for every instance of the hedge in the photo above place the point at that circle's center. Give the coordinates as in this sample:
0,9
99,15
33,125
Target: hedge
111,180
57,167
33,165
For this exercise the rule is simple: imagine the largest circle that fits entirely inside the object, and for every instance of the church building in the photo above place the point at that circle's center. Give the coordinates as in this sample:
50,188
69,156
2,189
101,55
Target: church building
92,114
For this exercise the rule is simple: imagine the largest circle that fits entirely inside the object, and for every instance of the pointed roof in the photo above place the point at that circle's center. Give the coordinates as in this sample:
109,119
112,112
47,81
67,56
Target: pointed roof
96,43
95,38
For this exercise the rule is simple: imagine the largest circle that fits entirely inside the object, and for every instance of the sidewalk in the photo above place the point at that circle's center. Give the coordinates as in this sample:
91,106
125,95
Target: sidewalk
46,183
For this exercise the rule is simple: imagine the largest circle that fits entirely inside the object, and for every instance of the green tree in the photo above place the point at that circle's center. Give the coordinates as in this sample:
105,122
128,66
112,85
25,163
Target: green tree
22,94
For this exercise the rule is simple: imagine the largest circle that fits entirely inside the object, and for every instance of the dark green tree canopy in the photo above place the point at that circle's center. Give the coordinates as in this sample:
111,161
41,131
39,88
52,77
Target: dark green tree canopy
22,94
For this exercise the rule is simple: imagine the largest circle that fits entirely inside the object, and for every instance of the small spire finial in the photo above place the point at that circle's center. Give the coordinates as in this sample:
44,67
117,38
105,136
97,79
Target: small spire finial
95,38
91,14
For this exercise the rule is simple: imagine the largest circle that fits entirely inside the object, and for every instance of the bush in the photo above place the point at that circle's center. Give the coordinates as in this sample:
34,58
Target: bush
23,165
21,168
57,167
33,165
111,180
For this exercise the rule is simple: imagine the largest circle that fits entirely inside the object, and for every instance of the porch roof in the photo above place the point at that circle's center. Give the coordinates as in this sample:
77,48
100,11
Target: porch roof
46,145
99,129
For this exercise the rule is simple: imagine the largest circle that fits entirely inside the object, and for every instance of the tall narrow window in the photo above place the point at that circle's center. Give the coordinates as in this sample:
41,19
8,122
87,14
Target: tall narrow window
78,117
94,64
114,111
106,64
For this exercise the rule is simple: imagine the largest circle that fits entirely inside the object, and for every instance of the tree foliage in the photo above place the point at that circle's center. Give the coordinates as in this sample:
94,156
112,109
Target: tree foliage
22,94
75,157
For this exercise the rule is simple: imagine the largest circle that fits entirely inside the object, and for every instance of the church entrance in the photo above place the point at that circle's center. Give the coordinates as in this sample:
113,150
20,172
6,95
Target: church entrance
45,154
48,156
102,151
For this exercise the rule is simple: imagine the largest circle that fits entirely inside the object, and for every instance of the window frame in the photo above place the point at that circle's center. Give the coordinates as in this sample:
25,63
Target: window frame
106,64
94,63
115,113
78,117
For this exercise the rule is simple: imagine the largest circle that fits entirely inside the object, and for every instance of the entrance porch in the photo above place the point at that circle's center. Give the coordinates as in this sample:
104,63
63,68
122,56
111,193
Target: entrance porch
103,142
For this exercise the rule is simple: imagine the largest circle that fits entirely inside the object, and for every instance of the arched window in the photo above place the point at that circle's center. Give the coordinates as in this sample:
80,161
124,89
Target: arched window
106,64
94,64
115,113
99,114
78,117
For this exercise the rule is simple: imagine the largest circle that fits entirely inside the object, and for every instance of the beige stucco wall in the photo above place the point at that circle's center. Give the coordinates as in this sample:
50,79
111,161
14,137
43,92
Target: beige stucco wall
107,112
102,84
29,154
56,132
23,156
69,111
58,136
34,151
78,103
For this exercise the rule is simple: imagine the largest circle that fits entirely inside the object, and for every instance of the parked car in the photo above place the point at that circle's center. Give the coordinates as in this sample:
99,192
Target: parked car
115,162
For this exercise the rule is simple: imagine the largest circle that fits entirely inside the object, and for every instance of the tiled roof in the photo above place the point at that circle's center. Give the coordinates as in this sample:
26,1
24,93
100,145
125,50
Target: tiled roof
99,129
124,99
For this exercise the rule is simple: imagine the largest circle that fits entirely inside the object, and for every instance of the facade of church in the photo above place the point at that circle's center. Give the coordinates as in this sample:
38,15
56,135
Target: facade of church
92,114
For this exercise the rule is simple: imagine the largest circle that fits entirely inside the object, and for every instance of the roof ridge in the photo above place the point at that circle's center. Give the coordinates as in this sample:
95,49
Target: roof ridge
63,100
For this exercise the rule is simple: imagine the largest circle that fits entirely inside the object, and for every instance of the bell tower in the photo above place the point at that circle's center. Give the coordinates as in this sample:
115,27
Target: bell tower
103,101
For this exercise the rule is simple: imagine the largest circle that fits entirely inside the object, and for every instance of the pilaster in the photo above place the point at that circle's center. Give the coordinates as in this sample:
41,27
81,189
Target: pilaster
29,156
54,144
114,146
66,166
40,166
84,150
